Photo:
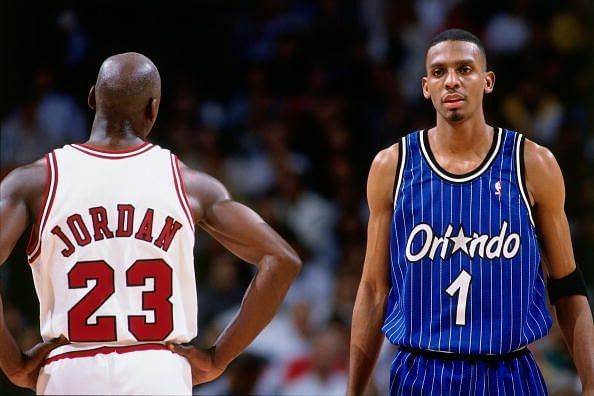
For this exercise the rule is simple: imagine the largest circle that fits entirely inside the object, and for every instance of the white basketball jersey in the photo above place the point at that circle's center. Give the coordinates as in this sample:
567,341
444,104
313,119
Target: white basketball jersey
112,250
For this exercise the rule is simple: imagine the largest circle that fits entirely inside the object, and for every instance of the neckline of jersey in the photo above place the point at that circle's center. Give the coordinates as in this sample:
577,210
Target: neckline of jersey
473,174
116,153
112,151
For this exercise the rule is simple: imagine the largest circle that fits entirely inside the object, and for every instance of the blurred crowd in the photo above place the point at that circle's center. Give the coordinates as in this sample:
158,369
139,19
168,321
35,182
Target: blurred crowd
286,102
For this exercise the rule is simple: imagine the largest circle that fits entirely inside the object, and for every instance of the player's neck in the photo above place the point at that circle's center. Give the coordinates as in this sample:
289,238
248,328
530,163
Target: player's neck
467,136
113,134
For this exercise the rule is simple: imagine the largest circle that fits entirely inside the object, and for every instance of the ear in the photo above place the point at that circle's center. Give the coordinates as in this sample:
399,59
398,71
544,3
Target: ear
91,99
425,88
489,82
153,109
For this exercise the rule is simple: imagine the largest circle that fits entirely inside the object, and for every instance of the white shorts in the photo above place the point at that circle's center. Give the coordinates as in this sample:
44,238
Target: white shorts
146,369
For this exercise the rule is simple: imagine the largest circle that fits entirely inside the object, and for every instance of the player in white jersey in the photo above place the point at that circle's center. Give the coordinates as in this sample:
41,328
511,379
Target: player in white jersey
112,254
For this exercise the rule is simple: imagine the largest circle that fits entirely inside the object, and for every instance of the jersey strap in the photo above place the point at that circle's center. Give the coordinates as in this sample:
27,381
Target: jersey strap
399,168
51,184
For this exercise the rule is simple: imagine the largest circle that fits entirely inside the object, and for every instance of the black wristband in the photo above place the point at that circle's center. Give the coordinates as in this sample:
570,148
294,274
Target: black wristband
570,285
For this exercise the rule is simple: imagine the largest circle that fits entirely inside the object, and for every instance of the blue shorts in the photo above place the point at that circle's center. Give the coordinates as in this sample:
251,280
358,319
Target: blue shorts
433,373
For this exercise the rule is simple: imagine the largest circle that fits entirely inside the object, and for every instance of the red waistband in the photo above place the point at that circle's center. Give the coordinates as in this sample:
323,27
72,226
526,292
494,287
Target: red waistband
105,350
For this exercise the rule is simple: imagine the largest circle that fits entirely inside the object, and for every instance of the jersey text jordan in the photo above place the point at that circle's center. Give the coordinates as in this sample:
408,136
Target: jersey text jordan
125,228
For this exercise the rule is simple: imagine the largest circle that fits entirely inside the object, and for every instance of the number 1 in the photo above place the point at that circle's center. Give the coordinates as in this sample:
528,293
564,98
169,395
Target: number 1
461,283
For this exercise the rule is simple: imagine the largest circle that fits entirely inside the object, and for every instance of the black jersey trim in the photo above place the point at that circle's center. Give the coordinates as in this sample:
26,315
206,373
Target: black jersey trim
451,177
521,174
398,175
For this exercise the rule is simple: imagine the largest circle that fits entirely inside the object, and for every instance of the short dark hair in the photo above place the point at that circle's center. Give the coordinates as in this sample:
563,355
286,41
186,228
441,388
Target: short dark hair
456,35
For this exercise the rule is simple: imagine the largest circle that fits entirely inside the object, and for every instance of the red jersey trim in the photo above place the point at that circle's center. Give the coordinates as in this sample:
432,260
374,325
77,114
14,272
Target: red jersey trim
106,350
113,154
34,236
183,191
180,190
34,245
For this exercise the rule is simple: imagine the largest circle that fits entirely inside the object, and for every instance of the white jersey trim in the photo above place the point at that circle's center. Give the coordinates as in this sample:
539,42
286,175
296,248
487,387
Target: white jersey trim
402,149
464,178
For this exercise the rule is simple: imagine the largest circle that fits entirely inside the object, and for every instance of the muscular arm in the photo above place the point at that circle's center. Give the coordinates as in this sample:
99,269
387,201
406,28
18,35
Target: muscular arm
14,218
545,184
370,304
21,193
245,234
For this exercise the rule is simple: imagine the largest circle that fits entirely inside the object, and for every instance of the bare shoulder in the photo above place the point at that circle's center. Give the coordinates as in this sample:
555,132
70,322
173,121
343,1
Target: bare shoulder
539,156
202,189
25,182
382,174
387,158
543,174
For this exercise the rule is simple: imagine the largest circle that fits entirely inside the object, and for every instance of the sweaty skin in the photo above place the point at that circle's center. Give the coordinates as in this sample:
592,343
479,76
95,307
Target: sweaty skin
126,100
460,141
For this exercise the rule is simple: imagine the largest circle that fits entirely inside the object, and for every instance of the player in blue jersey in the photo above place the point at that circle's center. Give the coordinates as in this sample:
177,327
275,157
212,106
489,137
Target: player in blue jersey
453,272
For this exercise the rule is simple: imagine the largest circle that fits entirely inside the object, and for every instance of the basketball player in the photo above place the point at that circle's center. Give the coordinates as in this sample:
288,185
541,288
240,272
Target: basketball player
452,272
112,254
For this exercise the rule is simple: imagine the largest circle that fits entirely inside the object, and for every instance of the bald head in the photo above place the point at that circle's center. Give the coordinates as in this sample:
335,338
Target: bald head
126,83
126,96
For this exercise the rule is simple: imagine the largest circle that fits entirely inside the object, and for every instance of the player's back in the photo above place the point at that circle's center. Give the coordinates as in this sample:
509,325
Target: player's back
112,252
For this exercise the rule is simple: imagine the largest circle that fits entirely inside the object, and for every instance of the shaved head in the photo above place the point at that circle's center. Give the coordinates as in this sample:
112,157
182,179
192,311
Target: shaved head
126,83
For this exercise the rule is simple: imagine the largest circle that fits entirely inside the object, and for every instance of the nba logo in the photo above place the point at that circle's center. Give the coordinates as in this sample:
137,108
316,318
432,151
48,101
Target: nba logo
498,188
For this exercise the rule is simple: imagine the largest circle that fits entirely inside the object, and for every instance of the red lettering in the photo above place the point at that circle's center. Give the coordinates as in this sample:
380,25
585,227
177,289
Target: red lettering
145,231
79,229
167,233
99,217
125,220
57,231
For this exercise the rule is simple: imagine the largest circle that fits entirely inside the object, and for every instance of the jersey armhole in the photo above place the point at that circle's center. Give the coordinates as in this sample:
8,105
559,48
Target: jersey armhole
398,175
521,175
51,183
180,189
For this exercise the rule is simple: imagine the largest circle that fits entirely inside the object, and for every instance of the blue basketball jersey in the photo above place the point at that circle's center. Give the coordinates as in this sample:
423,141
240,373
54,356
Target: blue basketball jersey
465,266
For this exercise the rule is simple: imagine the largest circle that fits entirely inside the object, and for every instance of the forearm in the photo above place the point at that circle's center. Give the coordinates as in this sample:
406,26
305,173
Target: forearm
262,299
11,357
366,337
575,320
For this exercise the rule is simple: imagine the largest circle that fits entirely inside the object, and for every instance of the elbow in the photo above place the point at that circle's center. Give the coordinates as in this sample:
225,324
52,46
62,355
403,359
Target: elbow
289,263
293,263
283,265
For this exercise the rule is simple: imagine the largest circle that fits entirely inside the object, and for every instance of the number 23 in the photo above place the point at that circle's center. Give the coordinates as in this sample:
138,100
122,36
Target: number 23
104,330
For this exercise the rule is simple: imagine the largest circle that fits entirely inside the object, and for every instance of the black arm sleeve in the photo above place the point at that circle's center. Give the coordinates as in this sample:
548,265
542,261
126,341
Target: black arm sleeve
570,285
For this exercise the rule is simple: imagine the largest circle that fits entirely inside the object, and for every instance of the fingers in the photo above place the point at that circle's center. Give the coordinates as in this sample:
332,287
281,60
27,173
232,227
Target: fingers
182,350
36,356
53,344
40,351
62,340
198,358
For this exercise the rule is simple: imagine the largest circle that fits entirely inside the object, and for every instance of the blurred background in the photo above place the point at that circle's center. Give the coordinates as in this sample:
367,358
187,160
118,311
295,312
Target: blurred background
287,102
